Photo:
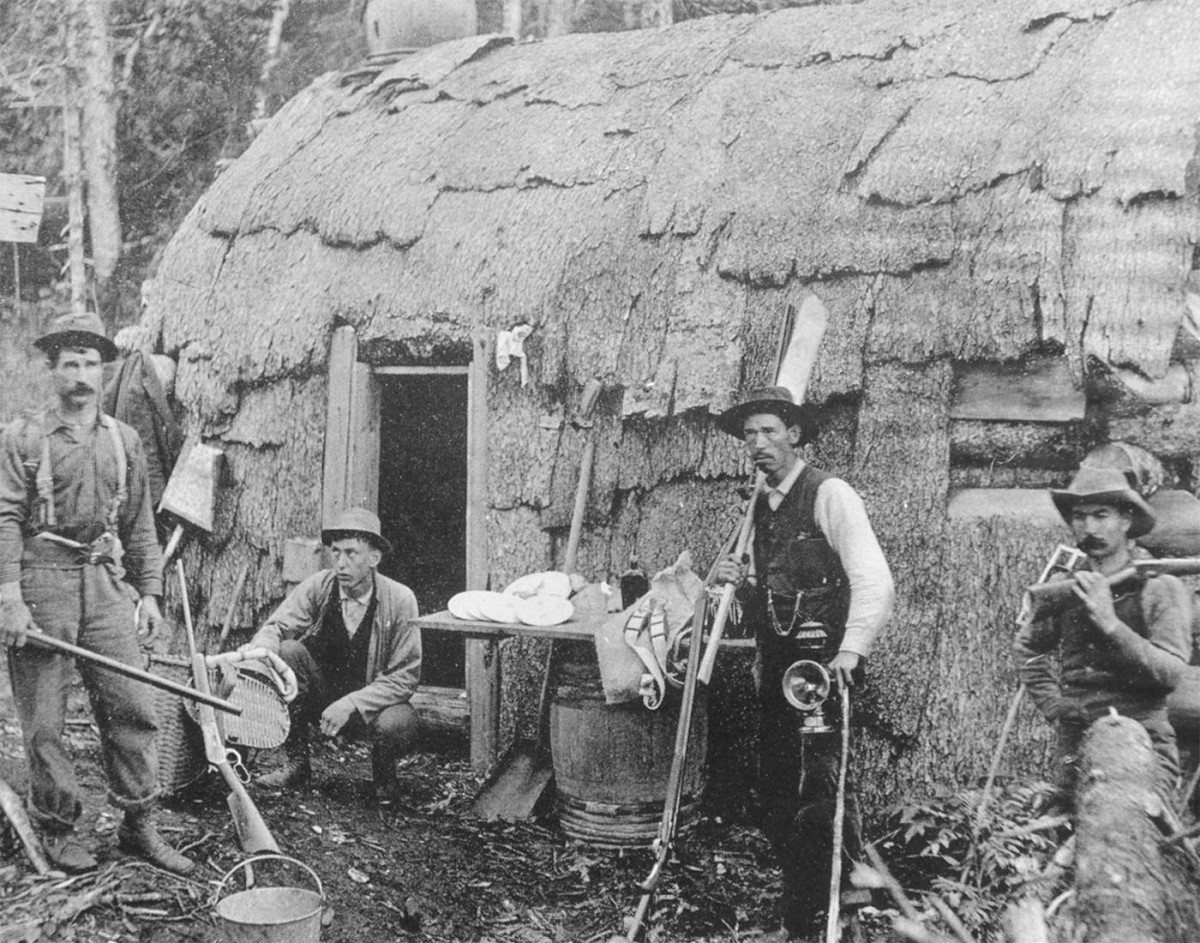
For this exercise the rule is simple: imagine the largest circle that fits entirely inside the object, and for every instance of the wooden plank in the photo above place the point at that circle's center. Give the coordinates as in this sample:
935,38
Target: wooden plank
21,200
1028,504
343,352
424,371
573,630
362,469
1039,390
482,655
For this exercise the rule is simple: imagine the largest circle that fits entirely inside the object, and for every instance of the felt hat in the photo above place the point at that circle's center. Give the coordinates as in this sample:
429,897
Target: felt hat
1095,485
77,330
356,522
777,400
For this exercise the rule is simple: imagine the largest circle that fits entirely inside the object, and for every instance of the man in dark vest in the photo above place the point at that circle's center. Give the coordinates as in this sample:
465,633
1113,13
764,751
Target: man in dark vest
345,633
819,587
1124,646
77,546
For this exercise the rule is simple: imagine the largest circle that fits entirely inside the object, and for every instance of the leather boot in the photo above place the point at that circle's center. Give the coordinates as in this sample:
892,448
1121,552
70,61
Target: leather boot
297,769
137,835
66,852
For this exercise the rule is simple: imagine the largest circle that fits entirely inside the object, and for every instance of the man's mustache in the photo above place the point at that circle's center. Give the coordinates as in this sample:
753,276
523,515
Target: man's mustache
82,388
1092,543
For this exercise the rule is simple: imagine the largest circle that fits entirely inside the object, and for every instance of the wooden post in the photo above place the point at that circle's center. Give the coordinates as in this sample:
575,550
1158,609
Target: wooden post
482,655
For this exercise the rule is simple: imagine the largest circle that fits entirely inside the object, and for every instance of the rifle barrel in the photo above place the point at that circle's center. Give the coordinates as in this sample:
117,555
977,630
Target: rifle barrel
1044,596
103,661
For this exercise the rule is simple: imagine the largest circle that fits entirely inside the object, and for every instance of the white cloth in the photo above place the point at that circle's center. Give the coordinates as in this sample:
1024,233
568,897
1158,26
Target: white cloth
511,345
842,517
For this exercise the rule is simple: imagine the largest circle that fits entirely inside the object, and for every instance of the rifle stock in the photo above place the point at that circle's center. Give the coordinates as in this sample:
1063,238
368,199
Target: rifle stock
1043,599
252,831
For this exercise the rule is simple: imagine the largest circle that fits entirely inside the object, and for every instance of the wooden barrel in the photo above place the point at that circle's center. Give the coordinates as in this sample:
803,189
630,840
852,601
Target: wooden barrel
612,762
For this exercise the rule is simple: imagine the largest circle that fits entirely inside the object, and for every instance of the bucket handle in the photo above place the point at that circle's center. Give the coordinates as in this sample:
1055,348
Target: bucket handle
251,860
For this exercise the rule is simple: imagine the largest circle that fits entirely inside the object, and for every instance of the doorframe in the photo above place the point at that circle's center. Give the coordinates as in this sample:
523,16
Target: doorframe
351,479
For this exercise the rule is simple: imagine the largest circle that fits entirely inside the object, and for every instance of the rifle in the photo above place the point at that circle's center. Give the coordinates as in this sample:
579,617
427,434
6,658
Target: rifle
665,842
119,667
1044,599
252,831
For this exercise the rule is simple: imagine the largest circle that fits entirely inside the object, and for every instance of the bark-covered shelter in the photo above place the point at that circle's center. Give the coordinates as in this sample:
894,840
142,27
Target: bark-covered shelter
997,203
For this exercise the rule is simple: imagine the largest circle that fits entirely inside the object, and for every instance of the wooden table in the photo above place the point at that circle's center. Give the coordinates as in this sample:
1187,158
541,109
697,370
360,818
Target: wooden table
483,667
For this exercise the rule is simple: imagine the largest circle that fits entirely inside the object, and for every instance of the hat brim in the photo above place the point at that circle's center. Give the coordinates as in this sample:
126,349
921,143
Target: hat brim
382,544
1143,519
86,339
804,416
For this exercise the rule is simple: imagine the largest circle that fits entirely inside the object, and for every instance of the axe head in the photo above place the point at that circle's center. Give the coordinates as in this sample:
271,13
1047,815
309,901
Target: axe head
191,494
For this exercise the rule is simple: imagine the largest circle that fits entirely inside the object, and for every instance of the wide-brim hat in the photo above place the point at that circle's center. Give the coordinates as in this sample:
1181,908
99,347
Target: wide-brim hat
356,522
77,330
1094,485
777,400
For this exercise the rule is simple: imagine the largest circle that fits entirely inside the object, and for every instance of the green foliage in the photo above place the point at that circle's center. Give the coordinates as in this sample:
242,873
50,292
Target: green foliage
932,847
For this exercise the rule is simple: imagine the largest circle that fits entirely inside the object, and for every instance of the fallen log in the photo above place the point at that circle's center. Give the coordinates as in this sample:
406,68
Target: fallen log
14,810
1127,890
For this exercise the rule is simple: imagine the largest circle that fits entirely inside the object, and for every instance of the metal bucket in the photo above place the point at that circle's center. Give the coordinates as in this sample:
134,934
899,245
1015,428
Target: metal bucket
271,914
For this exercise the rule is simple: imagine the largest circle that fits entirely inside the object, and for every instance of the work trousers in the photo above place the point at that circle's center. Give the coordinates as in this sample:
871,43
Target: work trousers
797,786
88,606
393,731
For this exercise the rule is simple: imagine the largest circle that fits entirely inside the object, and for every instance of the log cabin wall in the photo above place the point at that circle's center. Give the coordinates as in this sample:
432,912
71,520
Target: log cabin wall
998,206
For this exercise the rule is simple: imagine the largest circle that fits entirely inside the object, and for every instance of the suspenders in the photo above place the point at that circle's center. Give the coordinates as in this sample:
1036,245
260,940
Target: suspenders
45,516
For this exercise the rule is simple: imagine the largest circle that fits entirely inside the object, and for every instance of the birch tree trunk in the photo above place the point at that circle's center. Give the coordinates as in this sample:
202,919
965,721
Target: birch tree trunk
73,178
92,51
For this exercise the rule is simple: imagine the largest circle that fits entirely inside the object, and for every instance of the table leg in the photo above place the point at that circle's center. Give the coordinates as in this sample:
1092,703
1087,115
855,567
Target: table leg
483,700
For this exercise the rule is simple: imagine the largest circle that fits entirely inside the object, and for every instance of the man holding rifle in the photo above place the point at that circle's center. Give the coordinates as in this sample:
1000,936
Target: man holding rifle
77,546
1124,646
817,582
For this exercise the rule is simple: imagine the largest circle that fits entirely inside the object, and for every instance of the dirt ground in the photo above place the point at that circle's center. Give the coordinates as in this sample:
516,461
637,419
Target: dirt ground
422,869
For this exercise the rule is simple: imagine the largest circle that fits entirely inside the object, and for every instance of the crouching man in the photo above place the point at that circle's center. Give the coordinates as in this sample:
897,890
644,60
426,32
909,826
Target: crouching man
344,632
1123,646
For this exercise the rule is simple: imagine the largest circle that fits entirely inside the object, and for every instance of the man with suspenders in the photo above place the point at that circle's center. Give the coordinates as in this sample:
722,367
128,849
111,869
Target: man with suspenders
77,550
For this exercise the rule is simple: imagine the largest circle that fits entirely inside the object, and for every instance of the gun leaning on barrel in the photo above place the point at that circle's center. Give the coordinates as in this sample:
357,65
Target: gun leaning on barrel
1044,599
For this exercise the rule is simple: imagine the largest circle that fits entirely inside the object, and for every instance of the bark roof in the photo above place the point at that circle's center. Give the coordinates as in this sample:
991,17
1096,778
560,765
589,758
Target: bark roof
958,180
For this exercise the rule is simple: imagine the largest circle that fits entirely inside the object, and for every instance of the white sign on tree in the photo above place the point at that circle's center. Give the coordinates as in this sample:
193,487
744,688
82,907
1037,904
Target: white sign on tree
21,197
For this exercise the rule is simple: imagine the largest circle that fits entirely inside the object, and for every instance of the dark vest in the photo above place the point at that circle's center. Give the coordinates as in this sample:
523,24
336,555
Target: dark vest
800,577
343,659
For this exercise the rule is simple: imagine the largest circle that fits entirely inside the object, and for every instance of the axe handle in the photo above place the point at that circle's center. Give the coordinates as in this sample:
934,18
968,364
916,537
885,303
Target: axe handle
103,661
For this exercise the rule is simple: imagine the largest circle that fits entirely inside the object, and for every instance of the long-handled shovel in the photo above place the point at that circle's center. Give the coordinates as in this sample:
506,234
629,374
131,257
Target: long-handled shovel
524,772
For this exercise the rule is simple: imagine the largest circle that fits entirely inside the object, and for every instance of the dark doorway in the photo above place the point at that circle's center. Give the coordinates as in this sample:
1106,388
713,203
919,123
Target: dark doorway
423,499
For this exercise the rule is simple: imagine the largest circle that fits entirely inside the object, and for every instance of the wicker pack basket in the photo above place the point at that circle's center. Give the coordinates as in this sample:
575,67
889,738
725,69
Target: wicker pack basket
263,724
